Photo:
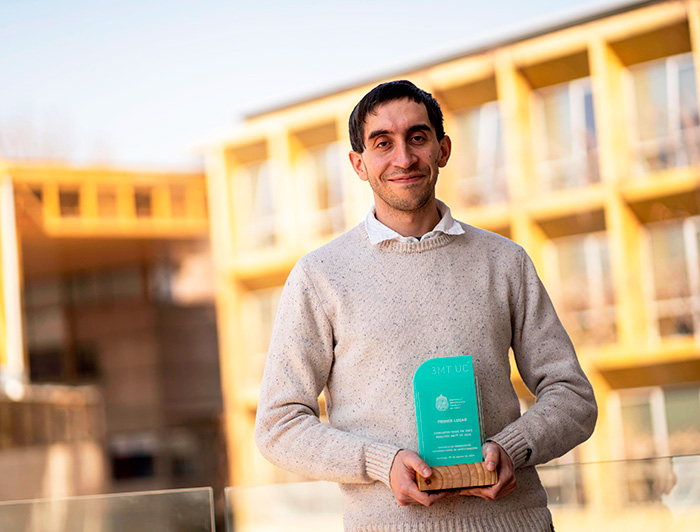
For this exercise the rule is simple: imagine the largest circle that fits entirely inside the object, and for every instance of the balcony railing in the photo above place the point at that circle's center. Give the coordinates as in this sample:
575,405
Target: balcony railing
91,207
641,495
188,510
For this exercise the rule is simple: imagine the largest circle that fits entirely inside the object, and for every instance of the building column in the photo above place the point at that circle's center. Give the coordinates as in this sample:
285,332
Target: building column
12,364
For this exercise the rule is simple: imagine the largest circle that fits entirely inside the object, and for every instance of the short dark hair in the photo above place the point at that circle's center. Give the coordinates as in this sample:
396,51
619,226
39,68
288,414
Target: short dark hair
386,92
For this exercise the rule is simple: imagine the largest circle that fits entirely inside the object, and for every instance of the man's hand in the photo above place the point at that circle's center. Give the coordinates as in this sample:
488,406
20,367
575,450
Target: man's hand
496,459
403,480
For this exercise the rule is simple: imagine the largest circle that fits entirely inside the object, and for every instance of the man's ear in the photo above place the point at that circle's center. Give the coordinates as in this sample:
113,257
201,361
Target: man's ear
445,151
358,165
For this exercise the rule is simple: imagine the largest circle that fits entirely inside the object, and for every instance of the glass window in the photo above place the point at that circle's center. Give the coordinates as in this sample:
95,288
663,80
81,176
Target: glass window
127,283
666,132
565,135
69,202
323,163
256,205
657,422
143,202
675,290
38,192
637,426
683,420
261,308
582,288
133,455
178,201
482,175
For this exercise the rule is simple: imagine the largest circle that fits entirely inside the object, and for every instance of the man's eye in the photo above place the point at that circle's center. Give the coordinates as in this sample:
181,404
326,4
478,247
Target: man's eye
417,138
382,144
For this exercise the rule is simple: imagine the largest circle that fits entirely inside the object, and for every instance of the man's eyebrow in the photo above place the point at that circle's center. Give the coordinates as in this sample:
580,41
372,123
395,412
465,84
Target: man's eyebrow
412,129
377,133
419,127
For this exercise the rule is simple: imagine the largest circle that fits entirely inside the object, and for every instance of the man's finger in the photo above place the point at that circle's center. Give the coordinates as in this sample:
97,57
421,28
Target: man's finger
403,480
491,457
418,465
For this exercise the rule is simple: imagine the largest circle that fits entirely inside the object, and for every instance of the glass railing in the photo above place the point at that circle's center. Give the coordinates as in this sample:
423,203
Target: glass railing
648,495
188,510
294,507
654,494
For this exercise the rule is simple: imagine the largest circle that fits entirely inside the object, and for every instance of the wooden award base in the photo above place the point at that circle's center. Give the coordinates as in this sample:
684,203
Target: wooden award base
457,476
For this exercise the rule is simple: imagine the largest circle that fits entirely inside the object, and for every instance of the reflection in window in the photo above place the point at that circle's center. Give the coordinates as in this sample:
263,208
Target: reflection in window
256,205
666,132
675,294
482,173
323,164
581,284
565,140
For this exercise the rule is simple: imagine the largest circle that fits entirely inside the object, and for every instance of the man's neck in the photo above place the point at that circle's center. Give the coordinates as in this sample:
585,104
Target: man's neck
410,223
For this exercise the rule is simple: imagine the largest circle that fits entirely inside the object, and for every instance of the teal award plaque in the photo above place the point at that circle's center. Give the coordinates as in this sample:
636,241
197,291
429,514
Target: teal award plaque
448,414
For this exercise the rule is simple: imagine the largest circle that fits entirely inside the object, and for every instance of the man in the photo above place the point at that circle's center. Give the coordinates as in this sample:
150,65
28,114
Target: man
360,314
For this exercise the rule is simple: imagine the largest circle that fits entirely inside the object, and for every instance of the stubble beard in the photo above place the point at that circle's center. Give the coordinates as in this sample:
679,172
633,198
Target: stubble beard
398,203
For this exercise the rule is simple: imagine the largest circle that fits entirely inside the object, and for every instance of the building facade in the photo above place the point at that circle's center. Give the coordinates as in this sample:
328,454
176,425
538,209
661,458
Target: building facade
581,142
109,376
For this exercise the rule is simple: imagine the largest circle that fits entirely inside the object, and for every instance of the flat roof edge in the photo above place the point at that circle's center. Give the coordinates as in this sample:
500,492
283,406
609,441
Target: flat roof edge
479,49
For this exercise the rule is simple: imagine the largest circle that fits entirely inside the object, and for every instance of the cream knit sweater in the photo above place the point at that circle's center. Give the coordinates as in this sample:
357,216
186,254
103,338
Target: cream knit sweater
356,320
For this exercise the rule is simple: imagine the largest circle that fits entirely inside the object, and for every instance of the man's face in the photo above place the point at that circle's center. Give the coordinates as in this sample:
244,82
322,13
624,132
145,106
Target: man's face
402,156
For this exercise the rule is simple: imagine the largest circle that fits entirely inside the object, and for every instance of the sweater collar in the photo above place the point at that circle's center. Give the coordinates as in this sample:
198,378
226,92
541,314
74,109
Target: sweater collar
379,233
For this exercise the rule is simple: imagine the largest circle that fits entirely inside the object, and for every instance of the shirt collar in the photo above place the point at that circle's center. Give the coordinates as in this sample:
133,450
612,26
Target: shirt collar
378,232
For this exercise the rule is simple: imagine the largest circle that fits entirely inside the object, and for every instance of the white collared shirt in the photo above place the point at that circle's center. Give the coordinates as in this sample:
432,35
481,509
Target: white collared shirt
378,232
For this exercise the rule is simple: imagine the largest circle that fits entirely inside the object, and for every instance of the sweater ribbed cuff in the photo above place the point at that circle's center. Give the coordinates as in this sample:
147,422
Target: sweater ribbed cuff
515,445
378,460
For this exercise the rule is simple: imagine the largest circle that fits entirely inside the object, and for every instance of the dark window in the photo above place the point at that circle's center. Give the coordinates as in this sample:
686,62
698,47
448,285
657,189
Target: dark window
69,202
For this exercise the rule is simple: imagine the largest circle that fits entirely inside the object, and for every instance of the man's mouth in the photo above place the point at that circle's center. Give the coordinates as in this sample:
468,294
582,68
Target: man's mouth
407,179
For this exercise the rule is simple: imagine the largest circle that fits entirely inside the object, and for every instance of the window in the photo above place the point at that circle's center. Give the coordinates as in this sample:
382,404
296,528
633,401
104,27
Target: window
256,205
178,201
674,291
565,136
143,202
261,308
38,192
323,164
133,456
580,281
666,125
482,173
69,202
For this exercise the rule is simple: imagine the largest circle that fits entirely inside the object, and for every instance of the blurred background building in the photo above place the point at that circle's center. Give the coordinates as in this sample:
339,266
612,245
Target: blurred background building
110,375
579,141
582,143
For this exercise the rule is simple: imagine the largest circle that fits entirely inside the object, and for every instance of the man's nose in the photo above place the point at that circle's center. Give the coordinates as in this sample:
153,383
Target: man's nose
404,157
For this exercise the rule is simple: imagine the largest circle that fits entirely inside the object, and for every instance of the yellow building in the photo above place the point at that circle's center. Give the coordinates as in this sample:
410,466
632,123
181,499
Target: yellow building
582,143
109,374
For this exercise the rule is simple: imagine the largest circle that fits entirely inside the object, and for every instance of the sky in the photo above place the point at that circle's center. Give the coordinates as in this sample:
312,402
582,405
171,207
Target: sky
144,83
